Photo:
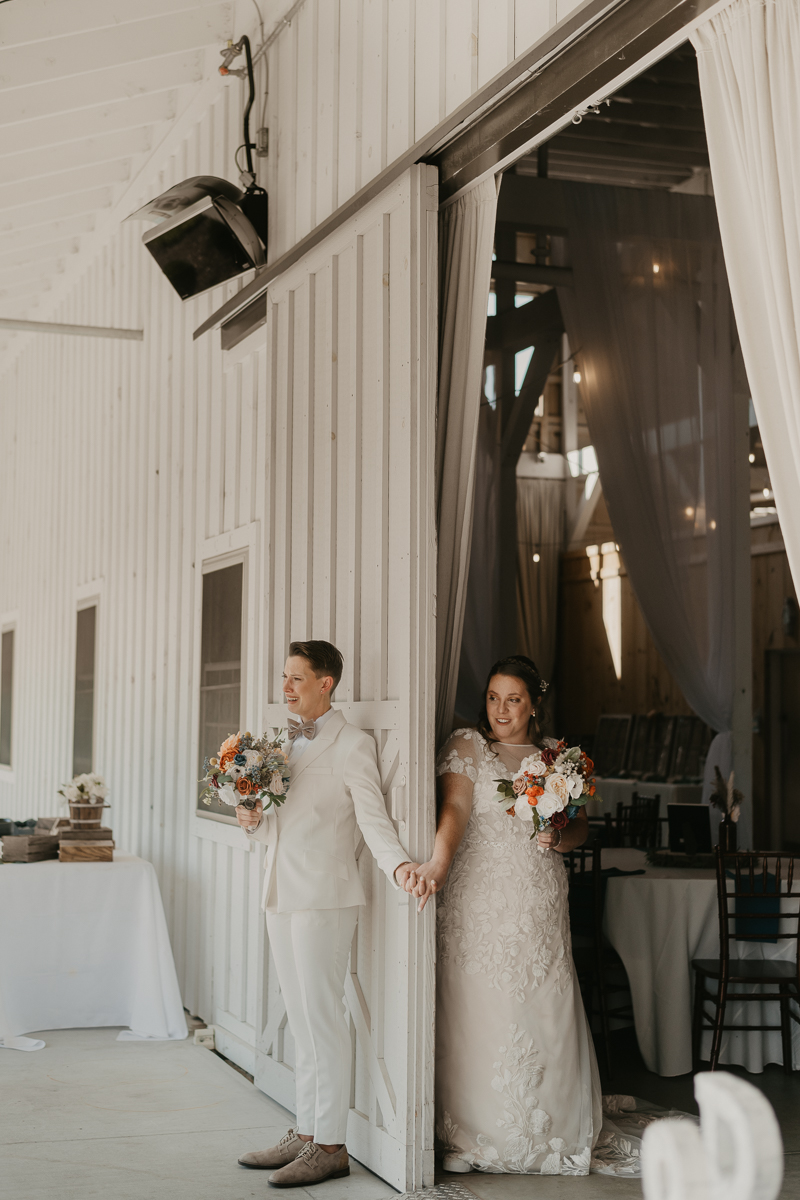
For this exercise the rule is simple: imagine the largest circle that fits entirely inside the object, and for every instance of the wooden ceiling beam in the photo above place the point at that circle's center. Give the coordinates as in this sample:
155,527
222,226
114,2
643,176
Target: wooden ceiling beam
669,94
657,154
620,112
594,129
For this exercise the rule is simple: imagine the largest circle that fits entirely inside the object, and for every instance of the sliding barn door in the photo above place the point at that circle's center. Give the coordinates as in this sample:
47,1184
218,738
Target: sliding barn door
350,556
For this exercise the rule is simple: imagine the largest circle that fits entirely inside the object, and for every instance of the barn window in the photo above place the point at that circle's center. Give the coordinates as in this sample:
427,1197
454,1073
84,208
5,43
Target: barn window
220,665
6,695
83,723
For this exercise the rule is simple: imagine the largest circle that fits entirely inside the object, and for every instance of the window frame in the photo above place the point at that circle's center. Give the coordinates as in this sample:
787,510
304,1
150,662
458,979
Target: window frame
9,622
214,554
89,595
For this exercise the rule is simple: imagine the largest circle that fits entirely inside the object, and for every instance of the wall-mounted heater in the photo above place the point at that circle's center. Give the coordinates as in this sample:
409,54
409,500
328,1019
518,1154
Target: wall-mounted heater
208,230
207,233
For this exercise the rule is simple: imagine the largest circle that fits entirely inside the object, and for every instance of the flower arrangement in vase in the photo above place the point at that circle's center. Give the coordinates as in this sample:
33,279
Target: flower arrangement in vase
85,795
728,800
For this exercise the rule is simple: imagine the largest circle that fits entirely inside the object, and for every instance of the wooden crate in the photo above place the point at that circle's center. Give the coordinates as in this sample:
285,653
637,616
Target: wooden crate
33,847
103,834
86,851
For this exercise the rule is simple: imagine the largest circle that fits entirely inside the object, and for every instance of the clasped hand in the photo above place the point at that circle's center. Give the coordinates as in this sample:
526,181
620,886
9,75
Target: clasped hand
424,881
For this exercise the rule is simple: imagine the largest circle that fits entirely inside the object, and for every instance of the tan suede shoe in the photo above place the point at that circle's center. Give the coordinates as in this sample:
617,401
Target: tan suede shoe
285,1152
312,1165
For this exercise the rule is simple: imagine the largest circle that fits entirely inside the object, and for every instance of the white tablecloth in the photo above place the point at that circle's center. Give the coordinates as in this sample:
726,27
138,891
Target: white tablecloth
658,922
83,945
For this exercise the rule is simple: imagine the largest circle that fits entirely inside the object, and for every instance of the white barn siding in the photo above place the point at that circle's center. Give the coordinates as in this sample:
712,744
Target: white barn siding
355,83
125,464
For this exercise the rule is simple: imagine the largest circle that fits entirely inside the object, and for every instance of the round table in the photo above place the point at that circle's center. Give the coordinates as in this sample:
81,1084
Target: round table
658,922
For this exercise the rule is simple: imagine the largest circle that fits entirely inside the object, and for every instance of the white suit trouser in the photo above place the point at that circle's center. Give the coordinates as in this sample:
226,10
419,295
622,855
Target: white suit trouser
311,949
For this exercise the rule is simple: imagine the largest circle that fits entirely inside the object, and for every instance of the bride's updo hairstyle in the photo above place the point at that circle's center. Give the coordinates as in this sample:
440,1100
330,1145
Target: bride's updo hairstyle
517,666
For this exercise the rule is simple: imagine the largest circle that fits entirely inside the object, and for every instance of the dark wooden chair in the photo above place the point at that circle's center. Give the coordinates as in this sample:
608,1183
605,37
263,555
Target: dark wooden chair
636,824
596,961
750,890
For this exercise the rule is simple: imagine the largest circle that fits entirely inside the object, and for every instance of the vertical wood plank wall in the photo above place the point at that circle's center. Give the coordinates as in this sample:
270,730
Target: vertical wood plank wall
121,458
354,83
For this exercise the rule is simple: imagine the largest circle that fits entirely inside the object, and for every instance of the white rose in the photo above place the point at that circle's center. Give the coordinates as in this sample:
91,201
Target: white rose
548,804
71,794
276,784
228,795
533,765
576,787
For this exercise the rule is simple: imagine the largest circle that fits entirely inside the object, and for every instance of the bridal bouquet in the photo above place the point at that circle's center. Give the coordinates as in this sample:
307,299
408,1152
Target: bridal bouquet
247,769
550,787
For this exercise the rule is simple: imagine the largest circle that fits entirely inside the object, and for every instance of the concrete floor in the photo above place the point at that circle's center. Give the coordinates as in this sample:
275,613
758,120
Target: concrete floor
89,1117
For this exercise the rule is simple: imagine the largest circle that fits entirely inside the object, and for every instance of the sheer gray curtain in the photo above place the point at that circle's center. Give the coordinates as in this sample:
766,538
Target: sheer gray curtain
540,531
650,319
478,648
466,239
748,59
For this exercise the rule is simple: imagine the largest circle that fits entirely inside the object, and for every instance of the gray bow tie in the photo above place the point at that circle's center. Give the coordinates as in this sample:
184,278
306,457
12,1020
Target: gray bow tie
306,729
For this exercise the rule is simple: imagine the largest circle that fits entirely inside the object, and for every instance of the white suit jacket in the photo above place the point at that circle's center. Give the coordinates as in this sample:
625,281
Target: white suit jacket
335,786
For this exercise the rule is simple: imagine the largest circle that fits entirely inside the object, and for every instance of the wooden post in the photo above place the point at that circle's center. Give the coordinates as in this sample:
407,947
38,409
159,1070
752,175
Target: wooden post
743,649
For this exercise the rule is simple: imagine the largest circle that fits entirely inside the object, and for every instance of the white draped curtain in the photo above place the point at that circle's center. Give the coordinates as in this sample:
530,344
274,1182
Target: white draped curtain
748,59
650,321
466,240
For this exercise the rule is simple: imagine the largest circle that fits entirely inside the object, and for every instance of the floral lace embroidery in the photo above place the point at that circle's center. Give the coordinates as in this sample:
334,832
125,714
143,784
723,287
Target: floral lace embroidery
503,913
528,1148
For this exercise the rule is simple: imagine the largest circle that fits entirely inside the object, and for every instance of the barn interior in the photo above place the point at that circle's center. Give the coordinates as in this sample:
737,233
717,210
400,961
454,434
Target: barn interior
547,576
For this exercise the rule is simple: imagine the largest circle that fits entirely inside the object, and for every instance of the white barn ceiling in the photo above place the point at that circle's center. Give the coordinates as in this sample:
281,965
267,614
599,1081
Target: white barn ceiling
88,90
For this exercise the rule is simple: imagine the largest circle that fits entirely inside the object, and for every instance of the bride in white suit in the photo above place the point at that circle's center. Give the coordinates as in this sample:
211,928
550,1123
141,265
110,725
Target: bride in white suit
312,893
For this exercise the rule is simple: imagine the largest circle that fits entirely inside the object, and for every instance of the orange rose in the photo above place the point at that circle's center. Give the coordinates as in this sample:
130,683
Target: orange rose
230,744
226,759
244,786
592,790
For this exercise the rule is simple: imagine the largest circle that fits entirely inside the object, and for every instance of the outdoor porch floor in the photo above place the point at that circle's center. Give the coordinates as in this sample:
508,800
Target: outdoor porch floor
89,1117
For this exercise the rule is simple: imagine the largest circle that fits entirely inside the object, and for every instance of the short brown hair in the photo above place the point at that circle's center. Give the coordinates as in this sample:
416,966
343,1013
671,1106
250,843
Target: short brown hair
323,658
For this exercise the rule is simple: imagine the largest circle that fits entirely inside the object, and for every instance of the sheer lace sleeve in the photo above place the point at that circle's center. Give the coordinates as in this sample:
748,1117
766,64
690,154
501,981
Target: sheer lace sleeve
461,754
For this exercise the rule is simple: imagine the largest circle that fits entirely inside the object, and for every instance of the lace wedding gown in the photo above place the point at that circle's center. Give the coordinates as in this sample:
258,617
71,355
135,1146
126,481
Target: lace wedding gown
517,1085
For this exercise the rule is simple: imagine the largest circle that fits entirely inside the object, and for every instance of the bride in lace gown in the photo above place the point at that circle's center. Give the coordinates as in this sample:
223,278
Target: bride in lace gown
517,1085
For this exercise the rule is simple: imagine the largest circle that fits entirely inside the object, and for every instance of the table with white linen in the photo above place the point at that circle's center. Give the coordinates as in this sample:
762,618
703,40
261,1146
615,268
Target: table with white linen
658,922
86,944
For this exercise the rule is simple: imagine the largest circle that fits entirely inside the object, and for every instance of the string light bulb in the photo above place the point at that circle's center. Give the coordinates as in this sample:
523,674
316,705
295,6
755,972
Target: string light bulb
576,376
536,558
689,512
656,268
752,457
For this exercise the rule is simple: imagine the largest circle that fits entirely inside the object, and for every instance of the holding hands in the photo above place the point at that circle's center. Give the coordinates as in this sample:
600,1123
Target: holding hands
425,881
